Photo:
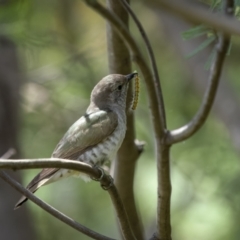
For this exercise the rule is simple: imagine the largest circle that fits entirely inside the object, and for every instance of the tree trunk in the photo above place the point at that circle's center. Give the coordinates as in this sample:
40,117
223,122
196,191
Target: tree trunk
13,225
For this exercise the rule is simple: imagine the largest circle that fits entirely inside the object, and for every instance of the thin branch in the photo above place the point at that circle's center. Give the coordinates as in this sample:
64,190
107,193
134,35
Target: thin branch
199,119
81,167
195,13
54,212
149,50
10,152
156,105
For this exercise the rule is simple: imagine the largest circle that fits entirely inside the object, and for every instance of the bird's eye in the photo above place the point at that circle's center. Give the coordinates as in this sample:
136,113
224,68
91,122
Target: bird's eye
120,87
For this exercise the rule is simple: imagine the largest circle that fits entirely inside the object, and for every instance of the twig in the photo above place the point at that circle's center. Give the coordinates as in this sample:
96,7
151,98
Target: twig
150,53
155,105
119,61
199,119
54,212
10,152
78,166
195,13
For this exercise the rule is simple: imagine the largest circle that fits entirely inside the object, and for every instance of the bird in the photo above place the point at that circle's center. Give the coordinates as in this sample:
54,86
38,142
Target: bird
96,136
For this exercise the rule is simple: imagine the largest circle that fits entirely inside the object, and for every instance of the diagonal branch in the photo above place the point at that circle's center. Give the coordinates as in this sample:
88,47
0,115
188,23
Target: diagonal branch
156,104
81,167
199,119
54,212
195,13
149,50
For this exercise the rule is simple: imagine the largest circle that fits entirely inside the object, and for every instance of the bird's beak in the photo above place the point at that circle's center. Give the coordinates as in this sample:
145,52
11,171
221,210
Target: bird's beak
131,76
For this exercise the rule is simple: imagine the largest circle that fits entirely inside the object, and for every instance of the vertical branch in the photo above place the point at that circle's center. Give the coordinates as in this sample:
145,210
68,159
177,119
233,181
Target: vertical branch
124,166
164,194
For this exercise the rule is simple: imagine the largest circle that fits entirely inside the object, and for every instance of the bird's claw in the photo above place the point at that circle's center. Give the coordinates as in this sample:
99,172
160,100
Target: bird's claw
110,184
102,174
101,177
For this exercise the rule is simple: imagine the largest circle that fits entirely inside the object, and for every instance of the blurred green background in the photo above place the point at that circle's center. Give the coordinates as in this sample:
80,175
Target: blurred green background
62,52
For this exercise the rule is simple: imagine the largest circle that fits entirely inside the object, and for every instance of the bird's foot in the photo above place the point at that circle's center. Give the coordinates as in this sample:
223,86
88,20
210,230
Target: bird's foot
109,185
102,174
101,177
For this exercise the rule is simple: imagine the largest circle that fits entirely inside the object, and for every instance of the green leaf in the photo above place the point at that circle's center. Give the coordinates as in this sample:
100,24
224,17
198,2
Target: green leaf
203,45
195,32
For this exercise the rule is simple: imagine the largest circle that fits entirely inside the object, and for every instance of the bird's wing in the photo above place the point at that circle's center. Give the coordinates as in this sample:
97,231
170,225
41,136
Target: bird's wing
88,131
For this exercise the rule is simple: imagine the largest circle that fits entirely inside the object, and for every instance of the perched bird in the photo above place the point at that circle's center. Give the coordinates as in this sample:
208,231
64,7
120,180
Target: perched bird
94,138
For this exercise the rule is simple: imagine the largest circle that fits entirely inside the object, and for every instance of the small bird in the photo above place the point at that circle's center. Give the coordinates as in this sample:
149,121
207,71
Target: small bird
94,138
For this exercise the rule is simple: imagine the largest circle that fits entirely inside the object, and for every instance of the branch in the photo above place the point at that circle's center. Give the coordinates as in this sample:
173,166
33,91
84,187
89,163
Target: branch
54,212
78,166
9,153
196,14
119,61
164,182
199,119
156,104
149,50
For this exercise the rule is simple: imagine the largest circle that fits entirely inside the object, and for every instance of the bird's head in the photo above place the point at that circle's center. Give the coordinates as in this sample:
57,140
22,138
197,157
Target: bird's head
111,91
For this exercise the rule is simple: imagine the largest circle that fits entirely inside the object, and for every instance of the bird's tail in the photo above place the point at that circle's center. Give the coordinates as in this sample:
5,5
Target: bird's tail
41,179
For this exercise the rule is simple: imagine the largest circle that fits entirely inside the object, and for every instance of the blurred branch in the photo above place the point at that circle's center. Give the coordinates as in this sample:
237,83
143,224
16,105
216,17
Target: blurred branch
10,152
196,14
215,72
73,165
124,166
